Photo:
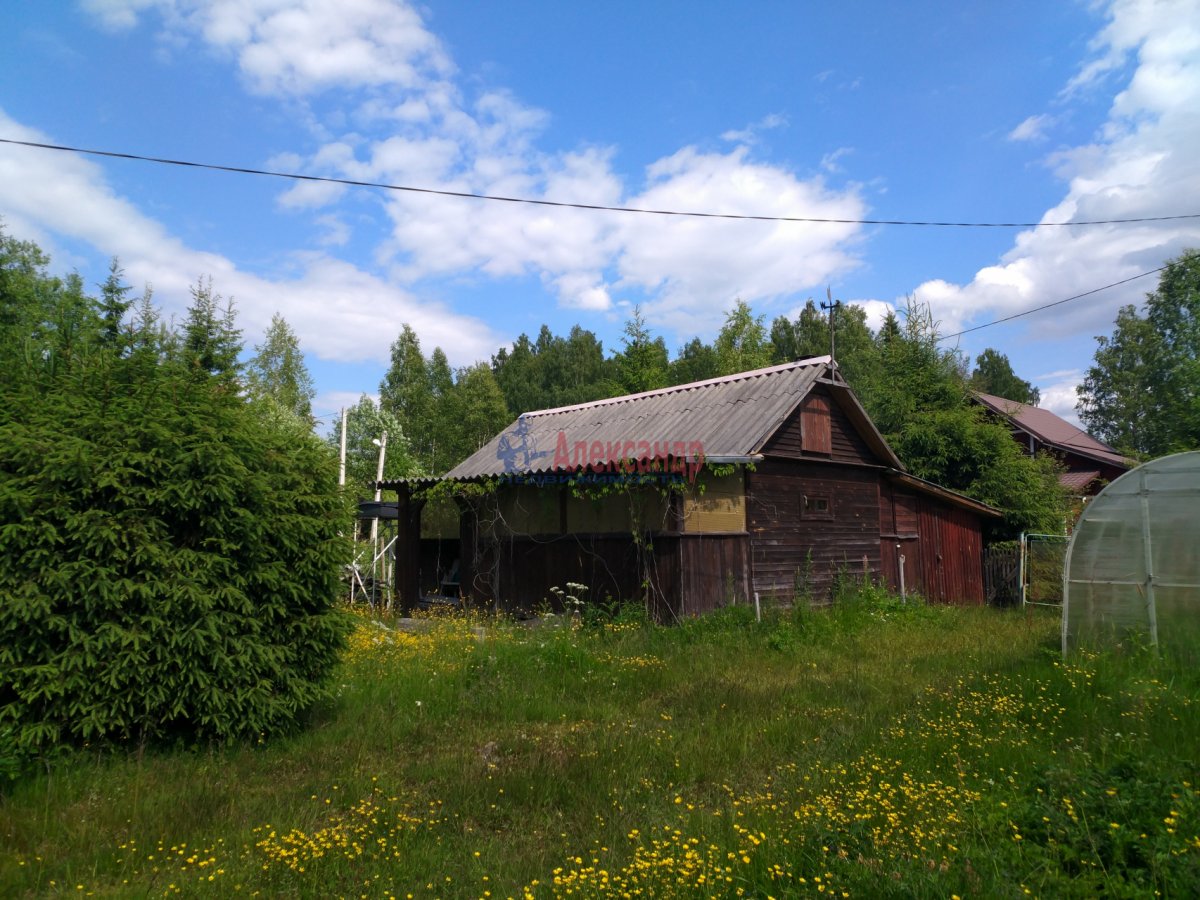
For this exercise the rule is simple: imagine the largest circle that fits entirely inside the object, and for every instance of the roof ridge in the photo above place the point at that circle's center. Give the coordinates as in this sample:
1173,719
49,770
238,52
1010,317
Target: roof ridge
1015,410
720,379
1005,400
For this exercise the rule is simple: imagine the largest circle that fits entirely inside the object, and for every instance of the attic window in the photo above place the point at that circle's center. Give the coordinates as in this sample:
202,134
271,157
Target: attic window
816,506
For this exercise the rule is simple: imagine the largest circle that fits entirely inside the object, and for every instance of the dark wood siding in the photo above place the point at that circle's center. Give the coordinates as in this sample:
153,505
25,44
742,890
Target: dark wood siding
788,439
805,518
819,429
907,517
848,444
899,542
682,575
783,534
715,572
814,424
951,553
519,571
942,546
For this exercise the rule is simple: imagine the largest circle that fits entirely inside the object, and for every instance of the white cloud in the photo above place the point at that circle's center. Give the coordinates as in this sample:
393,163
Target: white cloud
698,267
339,311
750,134
689,269
311,195
1143,163
829,162
583,290
1058,394
337,232
301,47
415,128
118,14
1032,128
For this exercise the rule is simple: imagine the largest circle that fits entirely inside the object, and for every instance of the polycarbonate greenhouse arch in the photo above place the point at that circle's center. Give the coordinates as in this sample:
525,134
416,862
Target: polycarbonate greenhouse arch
1132,572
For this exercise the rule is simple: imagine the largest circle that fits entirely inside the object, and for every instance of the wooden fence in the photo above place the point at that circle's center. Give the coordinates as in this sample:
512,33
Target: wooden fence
1002,575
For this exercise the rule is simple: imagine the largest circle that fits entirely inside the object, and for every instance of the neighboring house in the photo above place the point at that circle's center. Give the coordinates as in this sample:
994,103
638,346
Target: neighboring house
797,489
1089,463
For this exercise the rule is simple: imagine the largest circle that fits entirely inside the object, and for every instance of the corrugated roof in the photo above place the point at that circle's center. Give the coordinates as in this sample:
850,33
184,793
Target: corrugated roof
731,416
1053,430
1078,481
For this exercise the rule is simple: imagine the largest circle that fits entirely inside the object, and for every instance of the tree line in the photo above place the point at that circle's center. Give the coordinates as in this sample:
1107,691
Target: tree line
1141,394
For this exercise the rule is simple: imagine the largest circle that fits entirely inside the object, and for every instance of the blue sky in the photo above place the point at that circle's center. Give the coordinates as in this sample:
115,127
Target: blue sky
1025,111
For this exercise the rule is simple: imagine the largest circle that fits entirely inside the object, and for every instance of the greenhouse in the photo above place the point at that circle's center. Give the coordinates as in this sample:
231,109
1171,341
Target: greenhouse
1132,571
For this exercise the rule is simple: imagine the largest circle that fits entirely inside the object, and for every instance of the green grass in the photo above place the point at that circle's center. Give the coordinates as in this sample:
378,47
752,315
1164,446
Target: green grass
873,750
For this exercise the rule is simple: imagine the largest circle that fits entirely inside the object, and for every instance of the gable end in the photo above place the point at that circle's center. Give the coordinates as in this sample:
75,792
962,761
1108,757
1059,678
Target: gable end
820,429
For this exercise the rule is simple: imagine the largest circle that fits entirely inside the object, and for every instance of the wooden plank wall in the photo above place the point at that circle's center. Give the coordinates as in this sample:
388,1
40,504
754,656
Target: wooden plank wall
788,440
781,534
685,574
814,423
942,546
524,569
899,538
819,429
847,444
715,572
951,553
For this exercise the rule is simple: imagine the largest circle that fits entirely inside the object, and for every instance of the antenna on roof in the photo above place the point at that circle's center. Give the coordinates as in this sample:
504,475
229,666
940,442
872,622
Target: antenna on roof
832,306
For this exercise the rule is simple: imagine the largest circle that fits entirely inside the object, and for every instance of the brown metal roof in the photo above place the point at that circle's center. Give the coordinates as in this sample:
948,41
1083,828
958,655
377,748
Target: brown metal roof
1052,430
729,417
1078,481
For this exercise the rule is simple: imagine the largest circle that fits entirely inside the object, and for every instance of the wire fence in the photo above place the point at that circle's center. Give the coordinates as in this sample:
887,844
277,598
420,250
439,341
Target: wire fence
1043,557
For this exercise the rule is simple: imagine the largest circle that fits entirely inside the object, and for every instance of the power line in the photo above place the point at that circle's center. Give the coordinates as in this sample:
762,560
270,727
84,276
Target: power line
1028,312
586,206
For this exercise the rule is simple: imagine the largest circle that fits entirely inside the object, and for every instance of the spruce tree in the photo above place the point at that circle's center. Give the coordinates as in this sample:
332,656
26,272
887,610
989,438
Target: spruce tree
113,303
642,363
407,394
211,341
519,374
696,361
169,559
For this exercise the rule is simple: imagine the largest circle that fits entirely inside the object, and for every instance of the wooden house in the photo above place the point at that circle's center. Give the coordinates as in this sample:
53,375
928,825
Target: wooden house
772,482
1088,464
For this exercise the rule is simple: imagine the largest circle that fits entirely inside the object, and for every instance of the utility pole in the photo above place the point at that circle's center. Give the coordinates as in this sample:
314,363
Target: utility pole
832,306
375,554
382,444
342,456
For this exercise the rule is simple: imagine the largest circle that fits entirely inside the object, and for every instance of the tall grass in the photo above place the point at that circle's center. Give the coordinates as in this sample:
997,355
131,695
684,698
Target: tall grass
874,749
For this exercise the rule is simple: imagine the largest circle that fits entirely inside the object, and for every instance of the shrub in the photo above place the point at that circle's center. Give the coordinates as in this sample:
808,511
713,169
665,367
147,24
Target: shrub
168,558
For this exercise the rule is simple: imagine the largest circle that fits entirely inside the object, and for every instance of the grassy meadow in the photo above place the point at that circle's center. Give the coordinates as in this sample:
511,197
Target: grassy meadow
872,750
